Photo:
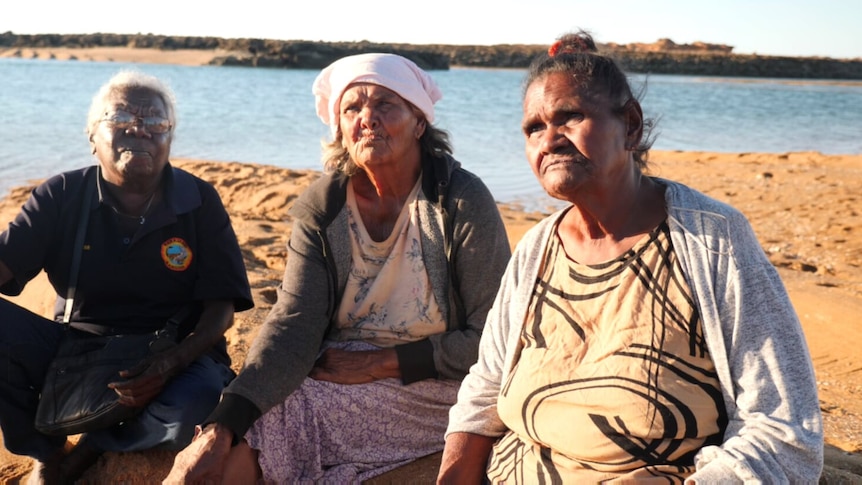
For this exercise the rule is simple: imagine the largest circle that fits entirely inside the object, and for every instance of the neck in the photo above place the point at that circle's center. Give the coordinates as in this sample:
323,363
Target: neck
387,185
129,203
603,231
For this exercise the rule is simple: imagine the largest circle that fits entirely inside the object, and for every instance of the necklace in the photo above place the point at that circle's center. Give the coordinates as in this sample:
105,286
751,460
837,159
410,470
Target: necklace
141,218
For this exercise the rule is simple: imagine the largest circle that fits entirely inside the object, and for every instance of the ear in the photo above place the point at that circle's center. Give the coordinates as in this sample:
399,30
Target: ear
634,118
92,144
420,128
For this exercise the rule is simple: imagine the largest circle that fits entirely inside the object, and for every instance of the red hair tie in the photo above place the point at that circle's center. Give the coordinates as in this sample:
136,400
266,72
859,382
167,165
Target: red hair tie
555,47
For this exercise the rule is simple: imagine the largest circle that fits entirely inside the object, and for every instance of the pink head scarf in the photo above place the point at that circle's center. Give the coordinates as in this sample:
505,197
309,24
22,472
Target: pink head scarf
388,70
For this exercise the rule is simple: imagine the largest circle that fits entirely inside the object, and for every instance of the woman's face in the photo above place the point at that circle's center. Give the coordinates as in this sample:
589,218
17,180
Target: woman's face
132,155
574,140
378,127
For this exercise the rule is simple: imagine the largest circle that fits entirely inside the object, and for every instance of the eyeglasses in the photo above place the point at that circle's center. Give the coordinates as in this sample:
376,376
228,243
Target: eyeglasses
124,120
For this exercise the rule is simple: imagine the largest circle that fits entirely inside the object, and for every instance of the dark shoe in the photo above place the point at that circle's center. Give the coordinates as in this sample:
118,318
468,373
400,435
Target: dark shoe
77,461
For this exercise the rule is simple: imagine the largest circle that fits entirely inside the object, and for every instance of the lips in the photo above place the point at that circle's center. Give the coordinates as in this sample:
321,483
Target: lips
134,151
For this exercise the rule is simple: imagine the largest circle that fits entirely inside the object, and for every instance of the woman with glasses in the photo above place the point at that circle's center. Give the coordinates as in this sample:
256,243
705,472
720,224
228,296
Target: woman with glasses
393,262
157,240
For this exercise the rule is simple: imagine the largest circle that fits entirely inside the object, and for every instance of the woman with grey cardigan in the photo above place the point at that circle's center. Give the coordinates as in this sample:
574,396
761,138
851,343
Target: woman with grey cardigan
393,262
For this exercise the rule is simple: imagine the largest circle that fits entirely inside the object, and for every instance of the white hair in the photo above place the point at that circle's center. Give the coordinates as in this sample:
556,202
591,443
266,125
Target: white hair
122,81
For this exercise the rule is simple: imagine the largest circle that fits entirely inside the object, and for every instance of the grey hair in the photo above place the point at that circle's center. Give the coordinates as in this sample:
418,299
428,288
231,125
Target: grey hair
128,79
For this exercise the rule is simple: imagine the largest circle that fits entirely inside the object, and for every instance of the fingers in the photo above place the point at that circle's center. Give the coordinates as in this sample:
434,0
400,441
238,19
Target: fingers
319,374
139,391
135,370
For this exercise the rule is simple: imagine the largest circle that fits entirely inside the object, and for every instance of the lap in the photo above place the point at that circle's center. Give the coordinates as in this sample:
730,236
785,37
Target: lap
324,430
28,341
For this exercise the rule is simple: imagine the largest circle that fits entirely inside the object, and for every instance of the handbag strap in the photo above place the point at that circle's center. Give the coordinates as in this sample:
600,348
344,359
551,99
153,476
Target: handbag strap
78,248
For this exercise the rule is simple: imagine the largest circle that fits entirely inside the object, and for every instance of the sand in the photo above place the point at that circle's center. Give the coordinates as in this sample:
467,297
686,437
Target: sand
184,57
804,207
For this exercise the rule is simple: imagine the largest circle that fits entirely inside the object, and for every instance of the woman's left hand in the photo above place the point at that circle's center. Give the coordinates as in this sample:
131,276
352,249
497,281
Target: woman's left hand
344,367
145,380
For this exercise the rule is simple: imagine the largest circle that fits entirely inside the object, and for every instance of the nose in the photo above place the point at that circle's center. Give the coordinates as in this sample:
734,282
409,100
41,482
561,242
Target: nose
137,129
552,139
368,117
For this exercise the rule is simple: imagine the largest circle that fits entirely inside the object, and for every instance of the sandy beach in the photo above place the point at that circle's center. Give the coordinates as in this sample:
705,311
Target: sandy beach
805,209
184,57
803,206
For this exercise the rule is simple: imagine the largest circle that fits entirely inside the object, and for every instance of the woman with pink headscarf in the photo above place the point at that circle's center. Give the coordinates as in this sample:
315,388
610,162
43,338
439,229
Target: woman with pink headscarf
393,262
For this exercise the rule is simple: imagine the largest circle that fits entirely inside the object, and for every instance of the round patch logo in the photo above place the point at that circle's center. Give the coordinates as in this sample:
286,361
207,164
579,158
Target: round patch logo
176,254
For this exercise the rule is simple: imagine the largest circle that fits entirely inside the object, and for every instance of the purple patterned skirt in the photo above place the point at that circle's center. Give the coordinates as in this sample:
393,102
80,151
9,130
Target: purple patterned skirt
338,433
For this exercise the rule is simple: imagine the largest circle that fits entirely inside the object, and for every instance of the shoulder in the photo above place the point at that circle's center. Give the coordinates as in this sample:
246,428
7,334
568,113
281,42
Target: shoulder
67,182
683,199
62,189
321,202
710,224
183,181
463,180
462,188
534,239
189,192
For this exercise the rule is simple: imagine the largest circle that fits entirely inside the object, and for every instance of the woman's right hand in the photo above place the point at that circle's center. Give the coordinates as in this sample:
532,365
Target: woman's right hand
355,367
203,460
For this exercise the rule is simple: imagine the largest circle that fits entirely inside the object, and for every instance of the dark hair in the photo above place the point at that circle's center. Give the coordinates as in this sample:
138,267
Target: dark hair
576,54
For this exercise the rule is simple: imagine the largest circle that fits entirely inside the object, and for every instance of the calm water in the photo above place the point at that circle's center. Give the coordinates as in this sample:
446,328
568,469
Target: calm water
267,116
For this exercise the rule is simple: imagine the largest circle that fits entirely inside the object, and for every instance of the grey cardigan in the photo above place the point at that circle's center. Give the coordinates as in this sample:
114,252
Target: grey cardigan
458,217
774,433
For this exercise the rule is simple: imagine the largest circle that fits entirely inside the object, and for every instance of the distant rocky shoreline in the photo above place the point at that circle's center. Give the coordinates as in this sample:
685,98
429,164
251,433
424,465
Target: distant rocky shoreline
662,57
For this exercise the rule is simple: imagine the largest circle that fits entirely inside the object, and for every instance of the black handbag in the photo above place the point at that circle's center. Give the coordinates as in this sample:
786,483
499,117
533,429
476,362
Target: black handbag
75,395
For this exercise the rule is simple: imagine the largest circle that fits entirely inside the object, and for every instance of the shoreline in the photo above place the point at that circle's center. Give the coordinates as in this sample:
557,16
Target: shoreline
252,53
803,207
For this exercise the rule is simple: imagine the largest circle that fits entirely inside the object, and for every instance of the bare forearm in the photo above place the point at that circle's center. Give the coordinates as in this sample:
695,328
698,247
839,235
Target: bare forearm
465,458
215,319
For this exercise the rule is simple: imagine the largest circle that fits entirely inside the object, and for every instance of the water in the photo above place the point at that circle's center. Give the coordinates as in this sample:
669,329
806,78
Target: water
267,116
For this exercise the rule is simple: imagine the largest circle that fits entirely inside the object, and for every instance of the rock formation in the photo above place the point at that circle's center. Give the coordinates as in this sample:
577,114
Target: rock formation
661,57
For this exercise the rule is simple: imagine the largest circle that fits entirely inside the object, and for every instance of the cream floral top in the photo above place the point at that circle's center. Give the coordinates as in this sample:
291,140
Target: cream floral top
388,298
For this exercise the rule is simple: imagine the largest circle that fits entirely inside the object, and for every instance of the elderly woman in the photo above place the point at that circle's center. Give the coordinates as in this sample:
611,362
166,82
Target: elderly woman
393,263
640,333
157,240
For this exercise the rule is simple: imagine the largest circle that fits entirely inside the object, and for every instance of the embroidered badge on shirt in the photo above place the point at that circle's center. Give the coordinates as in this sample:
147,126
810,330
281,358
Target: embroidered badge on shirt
176,254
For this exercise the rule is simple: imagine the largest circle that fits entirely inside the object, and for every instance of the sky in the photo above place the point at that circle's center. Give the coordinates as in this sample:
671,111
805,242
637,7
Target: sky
828,28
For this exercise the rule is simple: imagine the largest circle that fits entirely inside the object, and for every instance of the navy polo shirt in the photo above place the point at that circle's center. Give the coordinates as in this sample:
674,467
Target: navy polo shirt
186,251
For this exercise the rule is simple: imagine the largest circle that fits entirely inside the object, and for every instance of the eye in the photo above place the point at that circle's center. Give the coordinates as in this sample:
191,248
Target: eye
350,108
121,118
533,128
574,117
157,124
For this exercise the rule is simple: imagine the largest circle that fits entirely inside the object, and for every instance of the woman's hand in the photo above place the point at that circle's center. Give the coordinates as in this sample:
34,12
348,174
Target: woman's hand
203,460
465,457
146,380
344,367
